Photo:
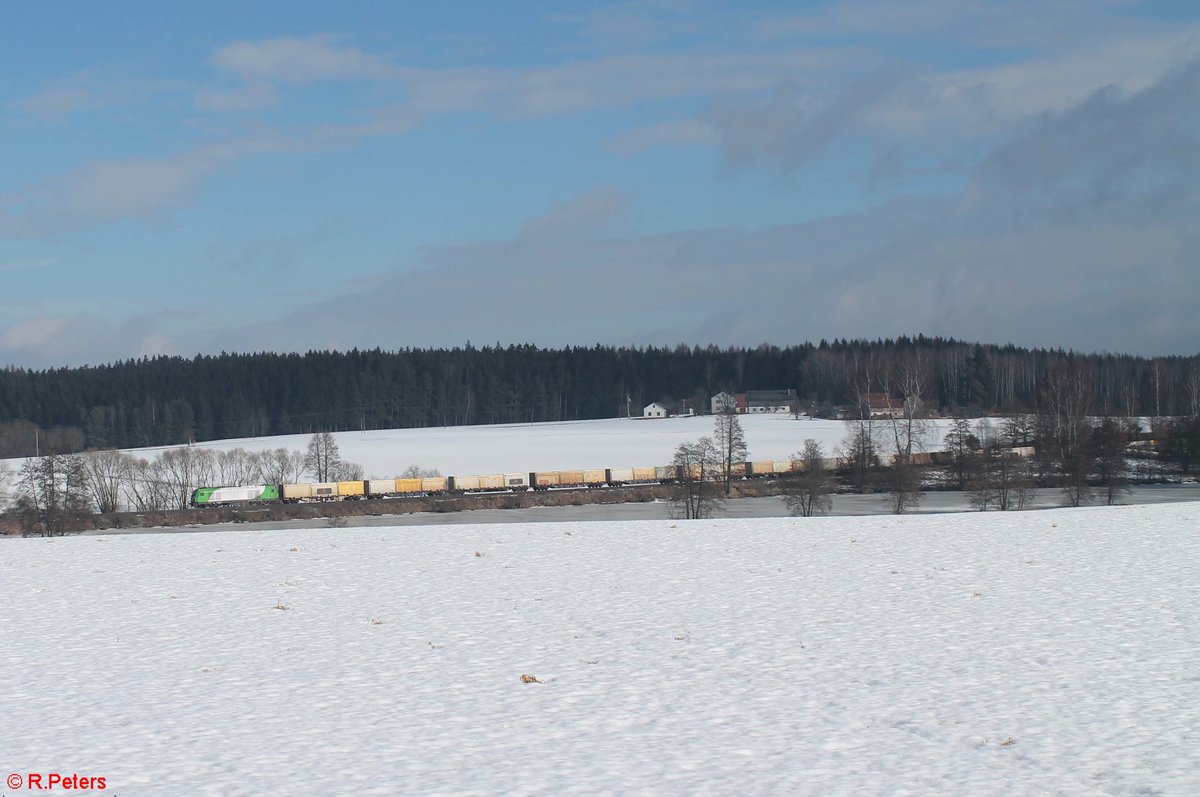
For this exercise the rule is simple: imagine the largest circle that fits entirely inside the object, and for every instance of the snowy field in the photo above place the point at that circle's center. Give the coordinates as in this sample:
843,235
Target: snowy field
615,442
1002,653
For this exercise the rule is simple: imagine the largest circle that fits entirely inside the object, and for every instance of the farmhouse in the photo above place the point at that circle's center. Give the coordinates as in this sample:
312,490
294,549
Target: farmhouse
654,410
756,401
880,405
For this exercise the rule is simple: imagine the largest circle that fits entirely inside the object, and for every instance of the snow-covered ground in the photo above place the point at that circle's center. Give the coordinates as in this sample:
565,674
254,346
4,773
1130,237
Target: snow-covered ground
615,442
1000,653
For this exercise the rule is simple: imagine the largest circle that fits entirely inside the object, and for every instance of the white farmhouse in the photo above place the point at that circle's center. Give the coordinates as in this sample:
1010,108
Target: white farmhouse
654,410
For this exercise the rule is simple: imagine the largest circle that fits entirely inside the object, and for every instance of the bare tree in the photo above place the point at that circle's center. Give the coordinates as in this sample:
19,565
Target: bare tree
148,489
5,475
858,454
962,446
907,432
52,494
1108,443
183,470
322,458
1001,477
107,474
903,482
281,466
1065,429
697,493
808,493
417,472
730,440
236,467
348,472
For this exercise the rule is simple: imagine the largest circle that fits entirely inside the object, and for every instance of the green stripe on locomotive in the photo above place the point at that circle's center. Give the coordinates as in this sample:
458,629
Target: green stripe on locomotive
204,496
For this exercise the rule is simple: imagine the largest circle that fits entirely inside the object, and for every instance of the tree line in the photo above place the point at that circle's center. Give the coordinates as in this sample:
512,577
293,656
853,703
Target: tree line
172,400
1071,444
50,493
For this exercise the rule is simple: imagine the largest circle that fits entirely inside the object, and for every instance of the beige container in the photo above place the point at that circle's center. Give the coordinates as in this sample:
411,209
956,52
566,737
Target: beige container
325,490
618,475
295,492
466,483
434,484
547,478
409,486
666,473
516,481
381,486
570,478
645,474
492,481
594,476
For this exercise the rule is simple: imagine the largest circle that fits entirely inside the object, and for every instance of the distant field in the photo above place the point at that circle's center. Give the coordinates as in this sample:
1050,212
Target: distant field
617,442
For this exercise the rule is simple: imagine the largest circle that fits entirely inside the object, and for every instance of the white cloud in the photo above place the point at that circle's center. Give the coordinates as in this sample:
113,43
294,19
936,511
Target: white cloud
1080,234
250,97
51,340
790,126
89,91
108,190
295,61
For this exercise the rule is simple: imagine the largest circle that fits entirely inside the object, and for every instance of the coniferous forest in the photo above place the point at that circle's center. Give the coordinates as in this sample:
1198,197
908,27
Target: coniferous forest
168,400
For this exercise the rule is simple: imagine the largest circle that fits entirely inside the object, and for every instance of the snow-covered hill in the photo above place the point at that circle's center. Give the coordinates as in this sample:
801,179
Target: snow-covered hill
1001,653
616,442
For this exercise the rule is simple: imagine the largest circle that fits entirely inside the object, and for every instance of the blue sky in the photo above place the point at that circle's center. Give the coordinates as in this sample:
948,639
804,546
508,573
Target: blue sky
301,175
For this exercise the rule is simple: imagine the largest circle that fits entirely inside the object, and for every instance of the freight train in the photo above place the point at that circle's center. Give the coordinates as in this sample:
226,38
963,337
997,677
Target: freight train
512,482
450,485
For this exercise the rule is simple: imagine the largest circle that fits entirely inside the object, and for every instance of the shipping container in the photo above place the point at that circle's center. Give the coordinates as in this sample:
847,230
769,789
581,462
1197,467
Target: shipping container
619,475
435,484
296,492
380,487
353,489
325,490
595,476
466,483
571,478
516,481
543,479
645,475
666,473
409,486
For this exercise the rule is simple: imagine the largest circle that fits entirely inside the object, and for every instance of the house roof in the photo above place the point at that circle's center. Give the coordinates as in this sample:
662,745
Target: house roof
770,396
881,401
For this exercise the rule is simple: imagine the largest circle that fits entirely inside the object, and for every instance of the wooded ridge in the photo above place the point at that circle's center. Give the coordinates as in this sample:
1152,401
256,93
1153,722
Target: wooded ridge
169,400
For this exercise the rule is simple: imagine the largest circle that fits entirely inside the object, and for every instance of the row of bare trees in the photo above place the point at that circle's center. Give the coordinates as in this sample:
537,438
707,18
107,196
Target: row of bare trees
52,491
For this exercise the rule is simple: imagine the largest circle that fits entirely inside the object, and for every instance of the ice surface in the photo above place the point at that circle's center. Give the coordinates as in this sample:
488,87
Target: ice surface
1001,653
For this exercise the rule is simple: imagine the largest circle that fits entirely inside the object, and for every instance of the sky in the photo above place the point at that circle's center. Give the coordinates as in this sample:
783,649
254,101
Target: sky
287,176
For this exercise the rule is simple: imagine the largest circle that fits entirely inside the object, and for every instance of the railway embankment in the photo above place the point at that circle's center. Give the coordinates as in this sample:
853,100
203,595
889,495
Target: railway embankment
10,524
